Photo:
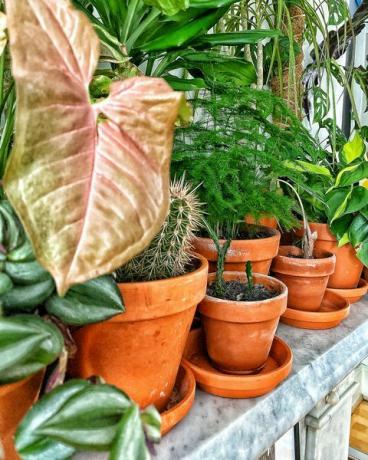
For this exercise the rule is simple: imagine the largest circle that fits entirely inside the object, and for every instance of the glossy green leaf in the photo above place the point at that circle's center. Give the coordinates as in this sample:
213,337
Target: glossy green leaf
357,200
234,38
129,442
90,302
362,253
304,166
185,84
344,240
169,7
30,443
341,226
358,230
27,345
337,204
338,12
352,174
353,149
80,415
177,35
89,419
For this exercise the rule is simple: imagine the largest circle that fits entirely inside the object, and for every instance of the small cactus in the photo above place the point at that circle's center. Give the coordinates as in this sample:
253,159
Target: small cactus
169,253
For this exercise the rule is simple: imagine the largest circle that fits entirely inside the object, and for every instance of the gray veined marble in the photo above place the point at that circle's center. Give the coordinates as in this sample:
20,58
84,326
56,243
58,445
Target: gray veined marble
229,429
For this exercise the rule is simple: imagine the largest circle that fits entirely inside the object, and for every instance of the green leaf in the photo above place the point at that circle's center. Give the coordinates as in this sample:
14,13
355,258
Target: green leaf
90,302
129,443
185,84
234,38
344,240
304,166
353,149
358,199
338,12
341,226
89,419
210,3
33,445
362,253
358,230
337,204
169,7
320,104
151,423
352,174
177,35
27,345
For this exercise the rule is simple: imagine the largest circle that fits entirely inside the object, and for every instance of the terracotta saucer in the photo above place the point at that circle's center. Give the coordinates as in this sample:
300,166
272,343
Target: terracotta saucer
333,310
183,398
353,295
211,380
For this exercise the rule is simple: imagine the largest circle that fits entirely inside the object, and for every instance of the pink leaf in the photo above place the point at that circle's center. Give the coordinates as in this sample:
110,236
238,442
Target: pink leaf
89,182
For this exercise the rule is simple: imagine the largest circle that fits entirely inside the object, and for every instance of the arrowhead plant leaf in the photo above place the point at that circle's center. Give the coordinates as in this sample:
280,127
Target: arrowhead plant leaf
89,182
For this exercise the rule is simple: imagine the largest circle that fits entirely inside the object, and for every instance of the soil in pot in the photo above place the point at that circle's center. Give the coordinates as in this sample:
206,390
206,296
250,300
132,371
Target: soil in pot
140,350
348,267
239,334
235,290
306,279
254,243
15,401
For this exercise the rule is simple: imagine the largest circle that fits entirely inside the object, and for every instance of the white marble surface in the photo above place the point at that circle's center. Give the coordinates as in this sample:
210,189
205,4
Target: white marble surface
228,429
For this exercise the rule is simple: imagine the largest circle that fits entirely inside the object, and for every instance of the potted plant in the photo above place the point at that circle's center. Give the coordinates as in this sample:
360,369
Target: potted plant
305,270
341,225
240,314
140,351
235,156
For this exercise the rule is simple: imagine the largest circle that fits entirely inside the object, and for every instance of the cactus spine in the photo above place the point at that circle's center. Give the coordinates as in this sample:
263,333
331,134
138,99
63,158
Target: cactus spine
169,253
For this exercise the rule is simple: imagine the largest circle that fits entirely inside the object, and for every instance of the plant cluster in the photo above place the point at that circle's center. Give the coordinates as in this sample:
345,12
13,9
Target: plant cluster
235,154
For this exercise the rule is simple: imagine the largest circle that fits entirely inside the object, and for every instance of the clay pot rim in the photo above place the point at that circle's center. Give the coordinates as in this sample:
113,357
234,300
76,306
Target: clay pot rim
203,266
239,311
320,316
257,276
184,405
274,234
361,289
238,381
299,267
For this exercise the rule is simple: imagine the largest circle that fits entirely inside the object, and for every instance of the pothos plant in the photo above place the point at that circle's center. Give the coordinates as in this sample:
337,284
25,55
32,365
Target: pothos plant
343,182
89,182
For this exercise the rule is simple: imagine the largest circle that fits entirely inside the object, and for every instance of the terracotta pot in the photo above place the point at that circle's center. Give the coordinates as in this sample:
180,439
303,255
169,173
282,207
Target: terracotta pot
306,279
239,335
15,401
259,251
266,221
353,295
348,268
140,350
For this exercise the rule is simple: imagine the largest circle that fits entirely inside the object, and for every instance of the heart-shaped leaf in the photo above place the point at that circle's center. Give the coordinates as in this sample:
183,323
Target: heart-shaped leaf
89,182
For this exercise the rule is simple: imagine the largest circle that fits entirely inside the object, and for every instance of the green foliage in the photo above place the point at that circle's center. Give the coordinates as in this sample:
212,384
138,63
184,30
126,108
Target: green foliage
235,155
169,254
27,345
346,192
80,415
25,285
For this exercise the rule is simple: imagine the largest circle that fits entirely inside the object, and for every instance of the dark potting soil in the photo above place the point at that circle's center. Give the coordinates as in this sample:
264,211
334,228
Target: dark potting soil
235,290
175,399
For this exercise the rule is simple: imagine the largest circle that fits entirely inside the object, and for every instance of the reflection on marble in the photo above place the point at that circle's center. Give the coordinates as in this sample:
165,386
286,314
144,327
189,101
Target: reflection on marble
229,429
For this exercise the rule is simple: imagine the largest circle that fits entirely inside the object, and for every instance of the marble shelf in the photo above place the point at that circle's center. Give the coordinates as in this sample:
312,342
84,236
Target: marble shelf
228,429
